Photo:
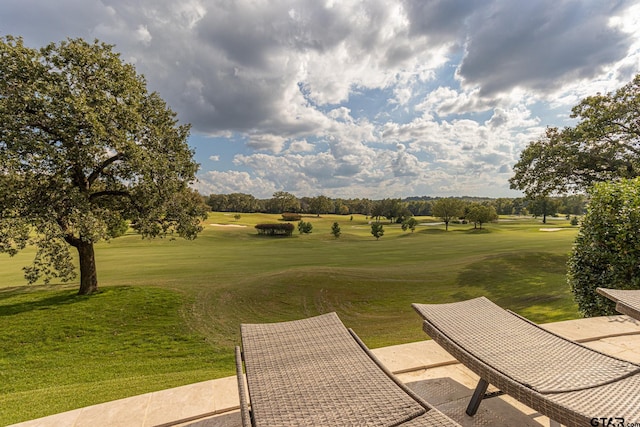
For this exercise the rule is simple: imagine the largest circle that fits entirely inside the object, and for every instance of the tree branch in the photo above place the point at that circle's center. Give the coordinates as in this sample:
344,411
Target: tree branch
68,236
72,240
106,193
100,169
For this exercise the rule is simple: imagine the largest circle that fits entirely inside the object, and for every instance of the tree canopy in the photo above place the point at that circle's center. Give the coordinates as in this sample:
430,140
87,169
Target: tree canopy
603,145
481,214
84,150
448,209
283,201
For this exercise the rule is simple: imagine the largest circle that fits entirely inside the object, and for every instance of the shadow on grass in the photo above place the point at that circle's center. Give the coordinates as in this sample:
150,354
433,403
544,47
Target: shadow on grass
441,230
37,302
516,280
406,234
434,230
478,231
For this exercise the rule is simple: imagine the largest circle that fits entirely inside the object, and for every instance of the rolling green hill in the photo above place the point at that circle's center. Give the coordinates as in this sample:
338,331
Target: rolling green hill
169,310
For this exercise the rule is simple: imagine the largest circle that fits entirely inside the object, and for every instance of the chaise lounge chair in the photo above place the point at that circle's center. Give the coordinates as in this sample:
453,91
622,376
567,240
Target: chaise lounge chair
315,372
565,381
627,301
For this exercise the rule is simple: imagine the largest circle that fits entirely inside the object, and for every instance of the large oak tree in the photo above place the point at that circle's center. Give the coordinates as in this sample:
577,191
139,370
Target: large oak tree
604,145
84,150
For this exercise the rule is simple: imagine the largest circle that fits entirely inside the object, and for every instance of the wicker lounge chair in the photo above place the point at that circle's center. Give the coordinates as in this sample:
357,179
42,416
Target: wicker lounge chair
565,381
315,372
627,301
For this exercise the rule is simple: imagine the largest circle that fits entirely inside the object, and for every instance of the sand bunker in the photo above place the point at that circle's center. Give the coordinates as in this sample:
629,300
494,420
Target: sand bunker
550,229
227,225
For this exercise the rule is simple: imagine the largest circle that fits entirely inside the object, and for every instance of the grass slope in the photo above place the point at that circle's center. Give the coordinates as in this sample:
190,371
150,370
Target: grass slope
170,309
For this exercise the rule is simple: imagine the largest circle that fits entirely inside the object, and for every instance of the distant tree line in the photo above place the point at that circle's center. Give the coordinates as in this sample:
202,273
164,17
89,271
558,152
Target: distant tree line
393,210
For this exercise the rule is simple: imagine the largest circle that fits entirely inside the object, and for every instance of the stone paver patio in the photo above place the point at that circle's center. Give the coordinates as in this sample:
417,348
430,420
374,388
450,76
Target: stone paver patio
423,366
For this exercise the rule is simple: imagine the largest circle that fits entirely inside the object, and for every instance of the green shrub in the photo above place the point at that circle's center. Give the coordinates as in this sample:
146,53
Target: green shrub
275,229
291,216
606,252
305,227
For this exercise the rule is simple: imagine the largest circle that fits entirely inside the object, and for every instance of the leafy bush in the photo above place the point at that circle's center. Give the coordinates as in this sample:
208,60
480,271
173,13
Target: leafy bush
305,227
275,229
606,252
291,216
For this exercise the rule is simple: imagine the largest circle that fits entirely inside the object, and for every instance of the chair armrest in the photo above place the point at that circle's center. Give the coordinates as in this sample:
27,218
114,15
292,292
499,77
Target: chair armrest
244,406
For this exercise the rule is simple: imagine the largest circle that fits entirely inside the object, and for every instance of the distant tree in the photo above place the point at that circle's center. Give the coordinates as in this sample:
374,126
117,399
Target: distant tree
377,230
448,209
343,210
604,145
481,214
218,202
543,206
239,202
405,214
377,210
607,249
284,202
320,205
335,230
361,206
503,206
393,209
83,147
409,224
419,207
237,217
573,205
518,206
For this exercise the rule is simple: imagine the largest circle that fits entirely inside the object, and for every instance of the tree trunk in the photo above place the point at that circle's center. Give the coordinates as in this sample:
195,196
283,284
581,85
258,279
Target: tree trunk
88,274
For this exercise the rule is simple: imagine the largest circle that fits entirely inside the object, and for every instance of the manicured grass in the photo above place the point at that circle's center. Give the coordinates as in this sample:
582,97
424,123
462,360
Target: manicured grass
170,310
62,351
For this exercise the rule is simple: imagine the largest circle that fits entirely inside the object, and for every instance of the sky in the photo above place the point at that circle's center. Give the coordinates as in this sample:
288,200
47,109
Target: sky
342,98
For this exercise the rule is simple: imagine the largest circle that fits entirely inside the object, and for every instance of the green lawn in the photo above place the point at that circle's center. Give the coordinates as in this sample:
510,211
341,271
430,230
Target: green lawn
170,310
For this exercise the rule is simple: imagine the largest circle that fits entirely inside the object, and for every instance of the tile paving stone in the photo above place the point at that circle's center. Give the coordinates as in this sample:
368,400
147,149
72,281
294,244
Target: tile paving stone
128,412
63,419
594,327
181,403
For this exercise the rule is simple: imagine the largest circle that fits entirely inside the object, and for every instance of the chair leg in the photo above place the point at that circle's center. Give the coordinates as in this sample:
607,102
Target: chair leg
477,397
